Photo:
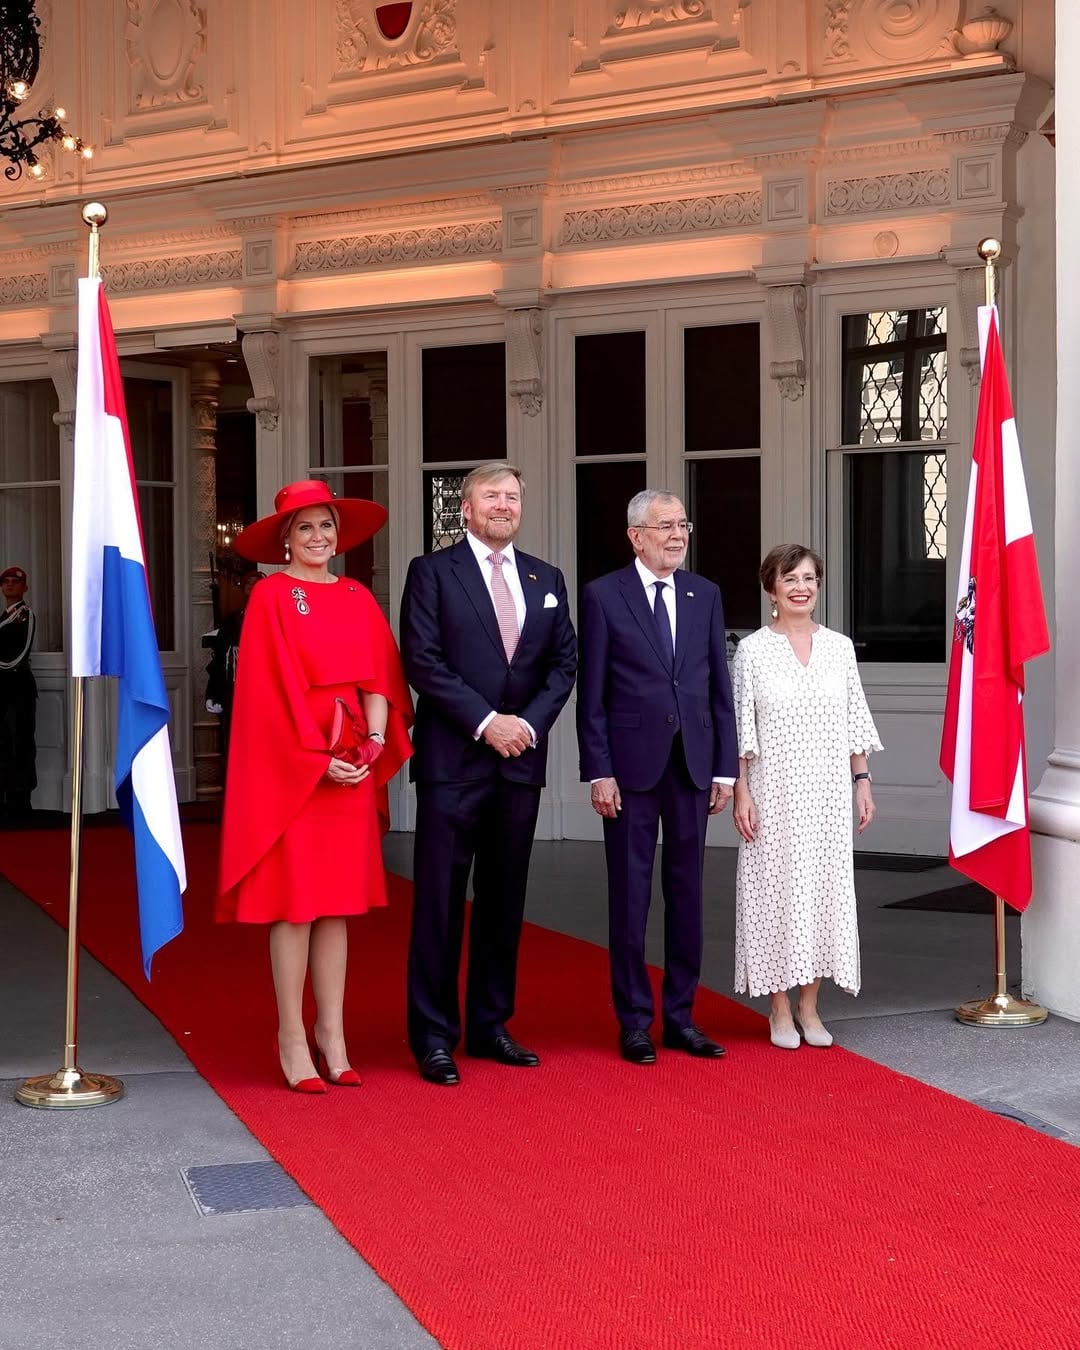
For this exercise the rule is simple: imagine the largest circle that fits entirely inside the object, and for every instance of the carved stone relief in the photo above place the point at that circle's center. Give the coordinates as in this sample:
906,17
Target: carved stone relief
785,309
651,12
261,358
21,290
869,31
643,220
161,273
397,246
361,45
166,48
524,331
887,192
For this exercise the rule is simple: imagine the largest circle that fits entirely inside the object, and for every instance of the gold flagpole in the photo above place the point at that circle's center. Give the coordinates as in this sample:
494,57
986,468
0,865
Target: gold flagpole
69,1085
1001,1009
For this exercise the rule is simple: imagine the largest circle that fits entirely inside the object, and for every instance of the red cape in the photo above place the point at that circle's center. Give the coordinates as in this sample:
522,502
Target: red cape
291,665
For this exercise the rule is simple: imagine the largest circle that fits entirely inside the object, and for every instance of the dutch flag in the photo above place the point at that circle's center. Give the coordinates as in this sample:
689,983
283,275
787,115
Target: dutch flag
112,627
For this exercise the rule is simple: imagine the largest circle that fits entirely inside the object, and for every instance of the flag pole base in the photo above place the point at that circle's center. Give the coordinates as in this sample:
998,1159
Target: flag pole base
1000,1010
69,1087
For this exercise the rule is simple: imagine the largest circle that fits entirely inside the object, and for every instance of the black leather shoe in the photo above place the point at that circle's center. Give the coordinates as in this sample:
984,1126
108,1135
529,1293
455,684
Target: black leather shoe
637,1047
693,1041
438,1066
504,1050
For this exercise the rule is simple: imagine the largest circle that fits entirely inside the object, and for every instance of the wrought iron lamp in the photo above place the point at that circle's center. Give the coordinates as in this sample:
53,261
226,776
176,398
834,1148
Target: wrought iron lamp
21,137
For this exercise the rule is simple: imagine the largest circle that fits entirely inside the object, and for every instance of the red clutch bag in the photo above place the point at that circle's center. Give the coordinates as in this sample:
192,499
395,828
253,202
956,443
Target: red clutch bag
346,738
347,741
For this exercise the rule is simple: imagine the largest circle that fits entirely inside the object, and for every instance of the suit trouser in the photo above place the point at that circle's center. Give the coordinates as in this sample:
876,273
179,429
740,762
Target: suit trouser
490,823
630,846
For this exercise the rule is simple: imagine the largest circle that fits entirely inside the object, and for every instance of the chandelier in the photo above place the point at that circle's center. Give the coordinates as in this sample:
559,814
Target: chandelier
21,136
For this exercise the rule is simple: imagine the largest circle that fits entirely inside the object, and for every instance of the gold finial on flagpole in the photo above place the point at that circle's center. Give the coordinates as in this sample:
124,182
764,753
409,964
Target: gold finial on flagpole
69,1085
990,251
95,215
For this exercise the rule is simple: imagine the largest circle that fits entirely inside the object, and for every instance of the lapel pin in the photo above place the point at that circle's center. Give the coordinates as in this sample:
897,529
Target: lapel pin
532,576
689,595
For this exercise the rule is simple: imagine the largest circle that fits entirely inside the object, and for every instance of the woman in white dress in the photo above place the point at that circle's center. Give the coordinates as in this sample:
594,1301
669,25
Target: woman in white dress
804,734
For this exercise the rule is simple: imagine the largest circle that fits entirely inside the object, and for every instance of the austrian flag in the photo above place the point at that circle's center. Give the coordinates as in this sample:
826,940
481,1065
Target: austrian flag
1000,624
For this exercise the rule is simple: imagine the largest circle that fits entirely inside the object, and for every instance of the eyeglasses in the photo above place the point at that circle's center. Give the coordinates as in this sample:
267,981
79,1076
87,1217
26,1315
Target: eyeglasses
670,526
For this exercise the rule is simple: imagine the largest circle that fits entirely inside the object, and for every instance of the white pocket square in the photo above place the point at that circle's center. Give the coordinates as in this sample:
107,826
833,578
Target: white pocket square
550,601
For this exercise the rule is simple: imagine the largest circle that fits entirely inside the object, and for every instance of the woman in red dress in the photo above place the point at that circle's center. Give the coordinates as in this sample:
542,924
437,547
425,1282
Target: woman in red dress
301,835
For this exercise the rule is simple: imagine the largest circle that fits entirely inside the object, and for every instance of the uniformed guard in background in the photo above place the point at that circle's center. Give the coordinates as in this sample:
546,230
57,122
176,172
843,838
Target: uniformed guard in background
18,697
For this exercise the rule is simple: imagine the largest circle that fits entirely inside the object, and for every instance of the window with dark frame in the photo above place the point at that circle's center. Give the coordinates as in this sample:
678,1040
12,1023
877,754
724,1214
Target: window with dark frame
609,445
894,404
722,403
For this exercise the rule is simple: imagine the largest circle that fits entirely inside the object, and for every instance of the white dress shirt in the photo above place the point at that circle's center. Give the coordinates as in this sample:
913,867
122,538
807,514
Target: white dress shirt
513,585
667,594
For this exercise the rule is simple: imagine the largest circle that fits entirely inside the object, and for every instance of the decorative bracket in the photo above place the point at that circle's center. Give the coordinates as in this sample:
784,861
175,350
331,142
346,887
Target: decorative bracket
261,357
63,371
785,309
971,284
524,332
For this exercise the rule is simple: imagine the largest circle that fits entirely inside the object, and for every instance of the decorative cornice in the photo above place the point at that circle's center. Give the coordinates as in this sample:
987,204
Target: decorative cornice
479,239
1000,133
392,211
887,192
25,289
698,176
643,220
163,273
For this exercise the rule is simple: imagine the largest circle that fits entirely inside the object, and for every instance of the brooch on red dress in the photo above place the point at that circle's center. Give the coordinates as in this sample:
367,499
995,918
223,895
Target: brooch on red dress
300,596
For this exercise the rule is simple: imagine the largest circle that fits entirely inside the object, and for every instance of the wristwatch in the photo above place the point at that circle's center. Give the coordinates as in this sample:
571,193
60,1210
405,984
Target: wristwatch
856,776
376,736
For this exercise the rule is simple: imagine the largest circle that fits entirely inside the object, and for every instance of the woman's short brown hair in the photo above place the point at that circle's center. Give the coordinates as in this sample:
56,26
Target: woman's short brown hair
783,559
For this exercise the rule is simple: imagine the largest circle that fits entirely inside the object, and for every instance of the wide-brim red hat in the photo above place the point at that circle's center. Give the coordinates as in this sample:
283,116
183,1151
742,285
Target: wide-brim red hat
358,519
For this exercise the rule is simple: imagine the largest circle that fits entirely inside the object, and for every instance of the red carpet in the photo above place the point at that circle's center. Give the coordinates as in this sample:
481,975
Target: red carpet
767,1202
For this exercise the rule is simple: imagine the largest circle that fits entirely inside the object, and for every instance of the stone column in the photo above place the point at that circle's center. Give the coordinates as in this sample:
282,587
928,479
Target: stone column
202,537
1051,926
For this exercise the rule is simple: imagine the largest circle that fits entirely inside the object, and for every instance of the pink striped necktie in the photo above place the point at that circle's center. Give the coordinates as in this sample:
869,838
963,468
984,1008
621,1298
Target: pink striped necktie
505,611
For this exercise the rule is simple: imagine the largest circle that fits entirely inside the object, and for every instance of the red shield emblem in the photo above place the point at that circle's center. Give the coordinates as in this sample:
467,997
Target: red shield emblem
393,19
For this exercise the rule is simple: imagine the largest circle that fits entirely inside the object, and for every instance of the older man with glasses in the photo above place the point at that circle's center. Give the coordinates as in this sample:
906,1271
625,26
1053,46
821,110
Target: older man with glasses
656,732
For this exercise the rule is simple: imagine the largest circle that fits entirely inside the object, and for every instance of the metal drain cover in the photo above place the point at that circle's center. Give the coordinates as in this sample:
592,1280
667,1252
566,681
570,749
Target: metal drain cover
1011,1112
238,1188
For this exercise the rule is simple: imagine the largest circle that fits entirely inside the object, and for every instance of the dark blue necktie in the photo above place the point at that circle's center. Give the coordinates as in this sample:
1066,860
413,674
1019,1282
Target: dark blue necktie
663,624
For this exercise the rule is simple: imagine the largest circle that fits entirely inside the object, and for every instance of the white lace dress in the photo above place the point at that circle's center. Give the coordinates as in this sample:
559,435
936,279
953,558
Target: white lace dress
798,726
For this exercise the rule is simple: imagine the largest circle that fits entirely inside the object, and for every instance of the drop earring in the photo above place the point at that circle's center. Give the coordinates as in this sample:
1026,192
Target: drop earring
287,556
774,611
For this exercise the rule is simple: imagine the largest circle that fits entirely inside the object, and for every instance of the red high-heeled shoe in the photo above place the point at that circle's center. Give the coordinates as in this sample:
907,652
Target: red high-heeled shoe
346,1078
311,1086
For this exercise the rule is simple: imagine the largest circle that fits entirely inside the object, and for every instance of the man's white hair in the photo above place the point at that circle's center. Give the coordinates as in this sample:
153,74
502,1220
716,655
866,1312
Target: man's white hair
638,507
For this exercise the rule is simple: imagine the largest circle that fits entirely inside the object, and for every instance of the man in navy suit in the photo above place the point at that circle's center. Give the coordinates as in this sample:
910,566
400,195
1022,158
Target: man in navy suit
489,647
656,731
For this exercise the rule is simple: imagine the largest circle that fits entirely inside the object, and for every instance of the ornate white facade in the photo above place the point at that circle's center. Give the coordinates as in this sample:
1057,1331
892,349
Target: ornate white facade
531,172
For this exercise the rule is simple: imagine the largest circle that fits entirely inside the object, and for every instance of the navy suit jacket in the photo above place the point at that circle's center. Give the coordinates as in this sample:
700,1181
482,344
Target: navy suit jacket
630,700
454,659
